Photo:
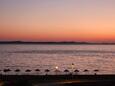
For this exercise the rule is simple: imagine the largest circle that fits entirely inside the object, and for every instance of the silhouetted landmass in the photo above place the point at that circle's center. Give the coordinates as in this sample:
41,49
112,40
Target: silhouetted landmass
63,42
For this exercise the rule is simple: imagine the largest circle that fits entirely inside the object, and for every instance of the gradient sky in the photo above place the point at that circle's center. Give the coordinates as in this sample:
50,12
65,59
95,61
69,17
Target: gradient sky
57,20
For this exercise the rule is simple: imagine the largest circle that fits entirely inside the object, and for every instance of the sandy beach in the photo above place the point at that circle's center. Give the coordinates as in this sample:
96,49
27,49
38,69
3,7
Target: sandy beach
57,80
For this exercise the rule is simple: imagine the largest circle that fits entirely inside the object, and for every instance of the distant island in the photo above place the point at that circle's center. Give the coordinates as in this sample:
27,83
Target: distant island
62,42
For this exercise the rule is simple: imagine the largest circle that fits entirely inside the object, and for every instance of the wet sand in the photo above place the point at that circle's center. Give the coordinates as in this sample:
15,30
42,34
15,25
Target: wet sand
57,80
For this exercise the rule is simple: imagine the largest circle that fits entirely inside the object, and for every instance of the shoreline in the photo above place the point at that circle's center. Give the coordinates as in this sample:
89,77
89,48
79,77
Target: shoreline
58,77
64,80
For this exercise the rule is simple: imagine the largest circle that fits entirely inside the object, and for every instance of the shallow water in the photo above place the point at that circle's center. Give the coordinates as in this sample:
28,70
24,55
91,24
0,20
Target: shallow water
91,57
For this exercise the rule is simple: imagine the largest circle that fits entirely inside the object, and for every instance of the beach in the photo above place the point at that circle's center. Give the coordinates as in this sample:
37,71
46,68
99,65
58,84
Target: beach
57,42
58,80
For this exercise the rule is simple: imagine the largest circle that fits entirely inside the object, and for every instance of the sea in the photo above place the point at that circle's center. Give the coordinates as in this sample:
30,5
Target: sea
56,57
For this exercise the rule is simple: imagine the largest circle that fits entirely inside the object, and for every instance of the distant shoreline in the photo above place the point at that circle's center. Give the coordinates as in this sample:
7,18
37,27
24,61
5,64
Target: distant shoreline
57,43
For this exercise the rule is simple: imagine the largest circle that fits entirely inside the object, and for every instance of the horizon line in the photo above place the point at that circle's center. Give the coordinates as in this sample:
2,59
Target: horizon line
56,42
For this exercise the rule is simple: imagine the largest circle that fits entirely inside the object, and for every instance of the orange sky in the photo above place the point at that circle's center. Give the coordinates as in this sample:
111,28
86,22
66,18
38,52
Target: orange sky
58,20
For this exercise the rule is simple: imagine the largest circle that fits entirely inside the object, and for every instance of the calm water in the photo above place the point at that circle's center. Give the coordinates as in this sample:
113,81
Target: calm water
91,57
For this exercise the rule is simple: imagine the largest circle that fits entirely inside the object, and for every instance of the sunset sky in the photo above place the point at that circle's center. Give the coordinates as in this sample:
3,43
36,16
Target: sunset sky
57,20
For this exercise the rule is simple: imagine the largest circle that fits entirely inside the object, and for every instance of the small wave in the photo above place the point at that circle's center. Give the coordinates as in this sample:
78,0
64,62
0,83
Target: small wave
60,51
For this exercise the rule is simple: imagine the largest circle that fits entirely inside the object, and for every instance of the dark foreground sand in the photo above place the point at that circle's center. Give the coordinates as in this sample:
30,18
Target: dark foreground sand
57,80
